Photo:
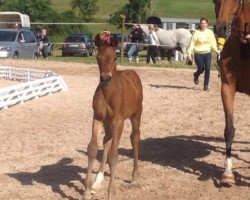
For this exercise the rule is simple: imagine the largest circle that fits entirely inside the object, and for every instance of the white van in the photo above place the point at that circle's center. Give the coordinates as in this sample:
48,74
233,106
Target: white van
16,38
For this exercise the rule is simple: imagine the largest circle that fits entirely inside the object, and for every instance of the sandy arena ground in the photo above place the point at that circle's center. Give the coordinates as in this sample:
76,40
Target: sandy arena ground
44,141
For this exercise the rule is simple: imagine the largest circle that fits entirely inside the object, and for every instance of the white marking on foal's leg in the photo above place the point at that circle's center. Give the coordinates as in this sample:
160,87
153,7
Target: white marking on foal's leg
229,165
98,182
228,176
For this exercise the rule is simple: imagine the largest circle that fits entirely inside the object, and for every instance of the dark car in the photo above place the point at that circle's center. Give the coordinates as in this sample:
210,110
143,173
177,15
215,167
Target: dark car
118,48
78,44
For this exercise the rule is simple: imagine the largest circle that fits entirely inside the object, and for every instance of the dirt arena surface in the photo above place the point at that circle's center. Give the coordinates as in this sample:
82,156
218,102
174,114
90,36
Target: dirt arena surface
44,141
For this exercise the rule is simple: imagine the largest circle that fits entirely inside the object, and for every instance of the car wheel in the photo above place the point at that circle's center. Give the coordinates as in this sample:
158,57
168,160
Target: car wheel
51,52
36,55
15,55
92,52
87,53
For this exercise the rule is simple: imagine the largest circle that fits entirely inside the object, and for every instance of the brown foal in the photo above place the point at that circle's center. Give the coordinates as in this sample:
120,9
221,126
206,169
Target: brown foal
118,97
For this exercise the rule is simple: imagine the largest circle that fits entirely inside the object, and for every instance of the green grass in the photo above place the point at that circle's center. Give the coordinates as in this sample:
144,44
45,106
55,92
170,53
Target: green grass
186,8
59,6
164,8
92,60
105,7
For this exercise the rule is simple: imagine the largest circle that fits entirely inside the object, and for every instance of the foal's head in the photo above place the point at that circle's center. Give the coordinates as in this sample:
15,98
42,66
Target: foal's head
225,11
106,55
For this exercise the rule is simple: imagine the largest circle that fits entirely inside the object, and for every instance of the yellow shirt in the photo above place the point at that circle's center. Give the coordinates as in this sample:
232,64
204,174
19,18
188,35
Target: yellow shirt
221,42
202,42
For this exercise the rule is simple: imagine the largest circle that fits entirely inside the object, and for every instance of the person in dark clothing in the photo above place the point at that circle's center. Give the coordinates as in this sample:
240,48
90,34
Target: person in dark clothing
43,45
136,36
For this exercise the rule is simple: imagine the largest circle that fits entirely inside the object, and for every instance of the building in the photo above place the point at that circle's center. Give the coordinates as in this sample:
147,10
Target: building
174,22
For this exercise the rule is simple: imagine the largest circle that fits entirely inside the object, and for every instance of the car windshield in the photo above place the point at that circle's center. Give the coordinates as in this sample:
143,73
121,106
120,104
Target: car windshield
75,39
7,36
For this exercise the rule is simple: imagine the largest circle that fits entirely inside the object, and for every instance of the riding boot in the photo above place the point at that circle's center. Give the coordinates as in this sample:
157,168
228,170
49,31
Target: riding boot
137,59
196,78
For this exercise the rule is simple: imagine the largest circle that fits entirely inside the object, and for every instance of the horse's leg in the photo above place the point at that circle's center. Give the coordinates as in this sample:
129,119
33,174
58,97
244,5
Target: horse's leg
135,141
97,127
113,156
228,93
106,146
158,52
184,55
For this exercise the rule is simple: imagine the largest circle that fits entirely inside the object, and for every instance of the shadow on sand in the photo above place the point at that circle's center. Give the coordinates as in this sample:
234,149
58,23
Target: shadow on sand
174,87
180,152
183,153
55,175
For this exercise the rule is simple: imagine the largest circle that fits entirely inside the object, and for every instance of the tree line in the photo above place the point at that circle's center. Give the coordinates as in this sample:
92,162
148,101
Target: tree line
79,11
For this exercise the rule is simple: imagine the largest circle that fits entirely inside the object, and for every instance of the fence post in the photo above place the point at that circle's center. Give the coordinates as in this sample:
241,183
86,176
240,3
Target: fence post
122,42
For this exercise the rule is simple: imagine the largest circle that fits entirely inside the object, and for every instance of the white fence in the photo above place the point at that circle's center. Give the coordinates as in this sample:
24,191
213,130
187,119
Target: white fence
34,83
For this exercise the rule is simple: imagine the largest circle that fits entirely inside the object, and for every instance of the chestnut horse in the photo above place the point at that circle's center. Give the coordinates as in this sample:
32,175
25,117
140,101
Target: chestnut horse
234,64
118,97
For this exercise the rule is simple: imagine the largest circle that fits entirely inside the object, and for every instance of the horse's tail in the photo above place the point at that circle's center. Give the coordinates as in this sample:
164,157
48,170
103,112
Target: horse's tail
192,31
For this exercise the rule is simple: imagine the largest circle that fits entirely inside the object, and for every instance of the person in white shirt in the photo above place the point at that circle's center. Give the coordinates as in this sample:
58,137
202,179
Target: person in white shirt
153,43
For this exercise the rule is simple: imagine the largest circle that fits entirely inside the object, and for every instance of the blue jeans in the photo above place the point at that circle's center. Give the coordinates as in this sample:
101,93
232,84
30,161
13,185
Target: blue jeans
203,62
132,52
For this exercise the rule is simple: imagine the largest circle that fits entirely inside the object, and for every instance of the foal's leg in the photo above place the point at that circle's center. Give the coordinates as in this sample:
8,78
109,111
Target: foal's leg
106,146
97,127
113,156
228,93
135,141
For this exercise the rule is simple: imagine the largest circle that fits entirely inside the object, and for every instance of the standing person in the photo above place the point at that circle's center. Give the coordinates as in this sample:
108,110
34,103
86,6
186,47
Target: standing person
202,42
44,42
153,43
220,43
135,36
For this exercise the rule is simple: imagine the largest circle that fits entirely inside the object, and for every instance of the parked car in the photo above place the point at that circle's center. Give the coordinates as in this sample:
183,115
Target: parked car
118,48
16,43
78,44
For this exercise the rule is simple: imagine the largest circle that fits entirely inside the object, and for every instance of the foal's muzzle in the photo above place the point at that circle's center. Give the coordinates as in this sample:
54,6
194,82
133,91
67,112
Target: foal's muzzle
105,77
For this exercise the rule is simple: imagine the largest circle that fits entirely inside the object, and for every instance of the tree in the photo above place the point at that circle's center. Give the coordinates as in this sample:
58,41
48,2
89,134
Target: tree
137,10
86,8
41,11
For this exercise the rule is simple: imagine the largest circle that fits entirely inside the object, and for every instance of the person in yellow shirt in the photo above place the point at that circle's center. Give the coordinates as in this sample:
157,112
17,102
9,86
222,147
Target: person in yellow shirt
202,43
221,42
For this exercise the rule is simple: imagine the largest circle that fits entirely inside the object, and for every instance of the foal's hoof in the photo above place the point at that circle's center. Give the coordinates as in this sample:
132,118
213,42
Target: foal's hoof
95,188
227,178
87,196
135,176
98,183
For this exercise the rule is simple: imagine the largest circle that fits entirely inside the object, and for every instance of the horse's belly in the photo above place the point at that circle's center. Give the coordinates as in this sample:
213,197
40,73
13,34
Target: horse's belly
243,80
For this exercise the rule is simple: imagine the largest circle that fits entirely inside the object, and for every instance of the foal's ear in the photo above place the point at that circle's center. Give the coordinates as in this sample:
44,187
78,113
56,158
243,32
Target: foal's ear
106,41
114,41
